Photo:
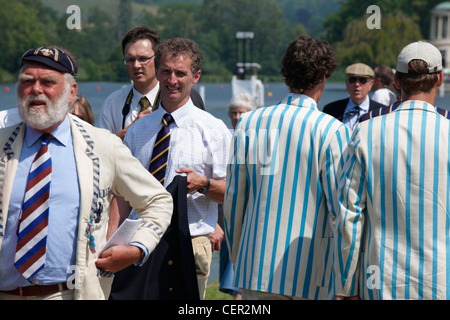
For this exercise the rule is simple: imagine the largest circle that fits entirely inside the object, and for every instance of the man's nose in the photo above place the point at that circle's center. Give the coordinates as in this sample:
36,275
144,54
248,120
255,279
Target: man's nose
37,88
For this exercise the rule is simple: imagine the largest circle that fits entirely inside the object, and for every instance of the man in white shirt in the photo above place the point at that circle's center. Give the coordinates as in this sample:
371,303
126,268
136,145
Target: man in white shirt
384,77
123,107
199,145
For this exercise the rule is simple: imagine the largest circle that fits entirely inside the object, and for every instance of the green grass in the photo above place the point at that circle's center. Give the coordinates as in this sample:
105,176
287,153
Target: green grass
213,292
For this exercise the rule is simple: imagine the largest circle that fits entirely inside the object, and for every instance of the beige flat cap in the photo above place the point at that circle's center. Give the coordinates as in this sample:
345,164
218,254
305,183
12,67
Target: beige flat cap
360,70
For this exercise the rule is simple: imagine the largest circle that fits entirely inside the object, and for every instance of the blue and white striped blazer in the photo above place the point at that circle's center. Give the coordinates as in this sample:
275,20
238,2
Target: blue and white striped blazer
279,206
393,227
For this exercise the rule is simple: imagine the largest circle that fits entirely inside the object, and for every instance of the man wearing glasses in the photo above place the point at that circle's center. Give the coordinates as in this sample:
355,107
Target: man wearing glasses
130,103
359,81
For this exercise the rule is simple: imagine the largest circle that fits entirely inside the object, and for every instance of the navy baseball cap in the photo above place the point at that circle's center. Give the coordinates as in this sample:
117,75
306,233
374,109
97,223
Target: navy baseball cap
52,57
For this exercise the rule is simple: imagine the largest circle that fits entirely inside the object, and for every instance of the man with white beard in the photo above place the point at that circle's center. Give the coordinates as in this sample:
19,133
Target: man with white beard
57,174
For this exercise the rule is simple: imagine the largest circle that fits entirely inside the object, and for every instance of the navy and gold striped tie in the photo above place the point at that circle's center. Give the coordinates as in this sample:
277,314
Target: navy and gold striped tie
160,153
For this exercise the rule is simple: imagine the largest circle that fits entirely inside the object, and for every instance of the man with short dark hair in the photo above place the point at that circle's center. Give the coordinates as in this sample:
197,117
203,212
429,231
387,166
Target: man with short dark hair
393,227
196,145
384,78
57,174
125,106
279,206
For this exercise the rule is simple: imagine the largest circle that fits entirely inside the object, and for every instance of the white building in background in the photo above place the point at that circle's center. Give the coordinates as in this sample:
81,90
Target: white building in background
440,31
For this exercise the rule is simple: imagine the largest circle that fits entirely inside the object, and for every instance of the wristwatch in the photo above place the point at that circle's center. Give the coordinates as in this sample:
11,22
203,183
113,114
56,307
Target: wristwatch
206,187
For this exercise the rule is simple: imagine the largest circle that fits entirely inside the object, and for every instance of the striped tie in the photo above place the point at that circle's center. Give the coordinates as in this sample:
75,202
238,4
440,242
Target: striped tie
32,230
354,111
158,162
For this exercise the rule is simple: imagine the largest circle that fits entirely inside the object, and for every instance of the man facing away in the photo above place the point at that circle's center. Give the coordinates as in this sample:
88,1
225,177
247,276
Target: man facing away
57,175
279,206
393,227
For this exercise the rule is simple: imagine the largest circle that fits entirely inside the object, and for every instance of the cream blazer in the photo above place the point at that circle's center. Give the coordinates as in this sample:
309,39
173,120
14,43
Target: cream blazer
105,166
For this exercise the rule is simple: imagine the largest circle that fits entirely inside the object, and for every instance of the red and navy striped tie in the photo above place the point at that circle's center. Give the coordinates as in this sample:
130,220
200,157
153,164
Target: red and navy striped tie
160,153
33,224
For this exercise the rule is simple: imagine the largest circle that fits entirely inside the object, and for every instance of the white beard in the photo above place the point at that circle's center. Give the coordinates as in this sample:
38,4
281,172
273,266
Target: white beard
41,119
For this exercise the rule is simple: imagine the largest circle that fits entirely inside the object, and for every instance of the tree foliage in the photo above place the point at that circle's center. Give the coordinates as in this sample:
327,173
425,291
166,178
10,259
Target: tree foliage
22,29
373,46
350,10
213,25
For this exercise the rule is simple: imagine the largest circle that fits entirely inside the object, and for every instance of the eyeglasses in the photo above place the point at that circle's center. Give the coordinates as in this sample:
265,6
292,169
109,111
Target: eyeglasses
361,80
142,60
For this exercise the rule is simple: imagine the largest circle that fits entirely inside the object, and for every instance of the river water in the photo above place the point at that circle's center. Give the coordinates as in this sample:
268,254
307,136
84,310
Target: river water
216,95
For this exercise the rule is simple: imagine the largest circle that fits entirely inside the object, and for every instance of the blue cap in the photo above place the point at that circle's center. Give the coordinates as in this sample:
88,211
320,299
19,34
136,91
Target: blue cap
54,58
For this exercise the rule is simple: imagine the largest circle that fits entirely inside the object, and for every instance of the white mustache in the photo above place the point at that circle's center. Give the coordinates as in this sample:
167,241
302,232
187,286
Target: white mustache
41,97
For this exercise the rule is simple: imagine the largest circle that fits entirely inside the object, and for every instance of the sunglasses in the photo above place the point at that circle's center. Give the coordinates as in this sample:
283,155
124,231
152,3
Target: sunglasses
361,80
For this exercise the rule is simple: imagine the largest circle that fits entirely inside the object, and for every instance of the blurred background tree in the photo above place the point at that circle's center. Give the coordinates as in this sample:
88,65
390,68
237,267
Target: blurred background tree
213,25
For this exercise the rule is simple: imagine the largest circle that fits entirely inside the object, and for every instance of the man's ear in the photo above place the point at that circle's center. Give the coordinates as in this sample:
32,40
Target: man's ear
440,79
396,82
73,92
197,76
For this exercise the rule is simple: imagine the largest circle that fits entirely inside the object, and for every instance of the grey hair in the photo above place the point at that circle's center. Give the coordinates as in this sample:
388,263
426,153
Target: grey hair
243,99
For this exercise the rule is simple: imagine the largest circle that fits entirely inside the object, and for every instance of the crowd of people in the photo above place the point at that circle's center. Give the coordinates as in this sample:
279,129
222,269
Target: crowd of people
301,203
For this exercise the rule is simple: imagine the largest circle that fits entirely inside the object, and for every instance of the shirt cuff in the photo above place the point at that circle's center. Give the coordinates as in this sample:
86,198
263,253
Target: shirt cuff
141,261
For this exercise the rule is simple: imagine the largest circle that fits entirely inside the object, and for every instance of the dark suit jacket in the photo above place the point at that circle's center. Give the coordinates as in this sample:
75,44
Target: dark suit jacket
337,108
169,273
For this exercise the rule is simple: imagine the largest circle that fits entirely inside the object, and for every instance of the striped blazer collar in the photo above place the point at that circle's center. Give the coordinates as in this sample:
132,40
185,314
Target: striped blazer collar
299,100
407,105
416,105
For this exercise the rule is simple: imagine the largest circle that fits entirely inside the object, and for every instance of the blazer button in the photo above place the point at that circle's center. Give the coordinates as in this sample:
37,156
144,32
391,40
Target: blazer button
170,262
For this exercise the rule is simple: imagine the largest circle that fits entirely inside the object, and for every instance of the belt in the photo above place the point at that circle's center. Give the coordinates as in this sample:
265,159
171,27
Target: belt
37,291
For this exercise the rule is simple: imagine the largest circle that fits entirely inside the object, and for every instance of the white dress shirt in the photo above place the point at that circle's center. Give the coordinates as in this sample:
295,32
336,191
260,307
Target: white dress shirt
111,117
198,141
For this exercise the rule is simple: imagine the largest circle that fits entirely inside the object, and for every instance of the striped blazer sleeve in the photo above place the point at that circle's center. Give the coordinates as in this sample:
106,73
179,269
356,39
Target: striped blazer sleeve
236,180
351,197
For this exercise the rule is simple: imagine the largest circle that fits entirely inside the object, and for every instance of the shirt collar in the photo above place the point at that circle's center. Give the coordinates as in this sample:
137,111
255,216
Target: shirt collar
151,96
181,114
62,133
304,97
417,104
